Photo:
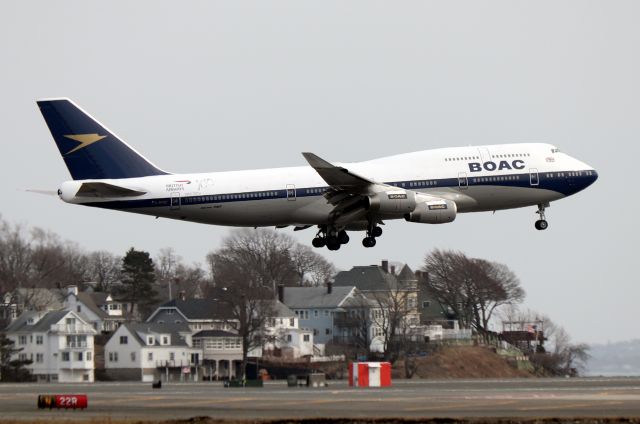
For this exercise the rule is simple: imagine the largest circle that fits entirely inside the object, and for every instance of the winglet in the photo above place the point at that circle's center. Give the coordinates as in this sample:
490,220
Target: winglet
336,176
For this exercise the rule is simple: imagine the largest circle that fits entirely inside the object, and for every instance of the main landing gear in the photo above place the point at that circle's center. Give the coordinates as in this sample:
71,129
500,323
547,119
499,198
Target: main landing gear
331,238
373,232
542,223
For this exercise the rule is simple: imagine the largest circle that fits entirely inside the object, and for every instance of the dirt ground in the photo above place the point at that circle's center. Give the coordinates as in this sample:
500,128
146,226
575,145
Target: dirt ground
463,362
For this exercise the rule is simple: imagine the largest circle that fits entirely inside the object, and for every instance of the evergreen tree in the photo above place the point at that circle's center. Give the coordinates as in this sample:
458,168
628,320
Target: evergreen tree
138,277
12,369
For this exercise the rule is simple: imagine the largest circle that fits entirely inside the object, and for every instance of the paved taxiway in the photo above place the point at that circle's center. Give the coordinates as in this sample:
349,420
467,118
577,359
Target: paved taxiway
595,397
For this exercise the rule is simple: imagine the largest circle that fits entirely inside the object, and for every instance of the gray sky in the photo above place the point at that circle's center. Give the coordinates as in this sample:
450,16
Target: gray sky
221,85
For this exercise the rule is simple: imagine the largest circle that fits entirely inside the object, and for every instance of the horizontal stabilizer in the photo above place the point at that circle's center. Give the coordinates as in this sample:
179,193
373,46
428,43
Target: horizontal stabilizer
106,190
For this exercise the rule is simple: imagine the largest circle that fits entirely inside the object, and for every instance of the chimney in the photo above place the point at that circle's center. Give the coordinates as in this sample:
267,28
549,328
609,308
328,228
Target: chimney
329,287
182,295
281,293
385,266
72,290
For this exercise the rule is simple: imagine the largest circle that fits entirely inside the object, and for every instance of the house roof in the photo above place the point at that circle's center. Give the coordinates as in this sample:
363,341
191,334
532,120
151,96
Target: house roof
374,278
42,325
366,278
89,300
200,309
279,309
406,274
41,298
174,330
316,297
214,333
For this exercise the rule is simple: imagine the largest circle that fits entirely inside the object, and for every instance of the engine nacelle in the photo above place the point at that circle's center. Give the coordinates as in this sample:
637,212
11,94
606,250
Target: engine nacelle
392,201
433,212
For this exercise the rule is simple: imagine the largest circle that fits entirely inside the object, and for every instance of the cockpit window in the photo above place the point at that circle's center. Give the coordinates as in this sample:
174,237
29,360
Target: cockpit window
555,150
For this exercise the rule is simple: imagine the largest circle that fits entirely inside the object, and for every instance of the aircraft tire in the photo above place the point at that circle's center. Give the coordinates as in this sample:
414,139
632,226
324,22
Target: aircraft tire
333,243
369,242
318,242
343,237
542,224
377,232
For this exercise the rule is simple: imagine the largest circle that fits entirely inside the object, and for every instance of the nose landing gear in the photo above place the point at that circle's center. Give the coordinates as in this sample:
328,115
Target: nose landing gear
542,223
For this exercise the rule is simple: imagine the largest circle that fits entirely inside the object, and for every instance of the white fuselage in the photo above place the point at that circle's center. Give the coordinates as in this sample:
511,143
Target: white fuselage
481,178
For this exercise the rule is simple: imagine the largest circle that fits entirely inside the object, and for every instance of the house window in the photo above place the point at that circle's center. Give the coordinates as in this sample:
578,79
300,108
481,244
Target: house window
165,340
170,311
292,322
85,377
89,356
78,308
65,357
79,356
70,321
39,357
150,356
39,340
315,332
124,340
288,337
426,304
113,356
22,340
133,357
327,331
172,356
22,356
150,340
315,313
306,337
326,312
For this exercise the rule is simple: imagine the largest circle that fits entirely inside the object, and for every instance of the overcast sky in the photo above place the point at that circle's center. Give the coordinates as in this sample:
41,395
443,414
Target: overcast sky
223,85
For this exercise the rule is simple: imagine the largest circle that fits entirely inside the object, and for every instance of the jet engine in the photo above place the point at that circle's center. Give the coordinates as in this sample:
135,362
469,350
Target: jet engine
392,201
433,212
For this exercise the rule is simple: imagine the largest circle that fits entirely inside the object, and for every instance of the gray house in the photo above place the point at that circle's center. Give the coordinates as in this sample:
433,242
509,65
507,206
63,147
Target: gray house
198,314
318,307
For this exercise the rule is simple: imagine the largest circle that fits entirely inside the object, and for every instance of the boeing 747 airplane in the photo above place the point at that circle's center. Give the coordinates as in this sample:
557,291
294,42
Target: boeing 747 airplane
426,187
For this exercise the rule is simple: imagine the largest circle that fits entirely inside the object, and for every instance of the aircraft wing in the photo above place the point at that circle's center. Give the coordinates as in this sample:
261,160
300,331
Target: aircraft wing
97,189
336,176
348,189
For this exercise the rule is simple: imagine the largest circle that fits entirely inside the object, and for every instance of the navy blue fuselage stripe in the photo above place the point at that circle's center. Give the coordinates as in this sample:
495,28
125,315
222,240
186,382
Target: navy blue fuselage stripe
569,183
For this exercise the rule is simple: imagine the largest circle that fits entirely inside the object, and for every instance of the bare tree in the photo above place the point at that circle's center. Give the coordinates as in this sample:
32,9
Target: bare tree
264,254
104,269
472,288
310,266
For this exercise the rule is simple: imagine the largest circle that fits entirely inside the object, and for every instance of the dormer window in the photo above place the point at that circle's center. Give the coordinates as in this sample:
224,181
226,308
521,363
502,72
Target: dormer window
165,340
150,340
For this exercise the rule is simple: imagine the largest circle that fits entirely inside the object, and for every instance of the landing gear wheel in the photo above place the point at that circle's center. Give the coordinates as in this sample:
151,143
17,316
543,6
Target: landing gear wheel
343,237
318,242
542,224
376,232
369,242
333,243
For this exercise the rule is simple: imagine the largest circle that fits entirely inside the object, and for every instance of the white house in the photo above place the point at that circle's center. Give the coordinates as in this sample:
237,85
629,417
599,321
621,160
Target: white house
149,352
60,344
221,353
99,309
284,337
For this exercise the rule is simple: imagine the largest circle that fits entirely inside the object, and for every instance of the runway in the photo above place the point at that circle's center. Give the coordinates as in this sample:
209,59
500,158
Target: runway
524,398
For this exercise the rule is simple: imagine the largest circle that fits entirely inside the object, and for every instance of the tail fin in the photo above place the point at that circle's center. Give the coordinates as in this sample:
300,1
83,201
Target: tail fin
89,149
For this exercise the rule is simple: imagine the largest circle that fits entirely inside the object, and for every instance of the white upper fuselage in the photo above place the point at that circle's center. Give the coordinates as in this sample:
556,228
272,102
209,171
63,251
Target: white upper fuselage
479,178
